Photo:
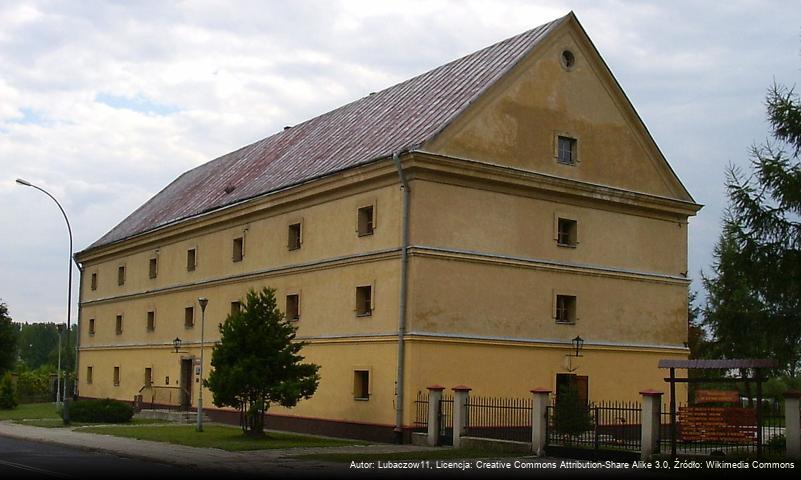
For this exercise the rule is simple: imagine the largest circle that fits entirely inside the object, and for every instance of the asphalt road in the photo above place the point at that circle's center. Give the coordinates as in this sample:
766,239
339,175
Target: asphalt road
25,459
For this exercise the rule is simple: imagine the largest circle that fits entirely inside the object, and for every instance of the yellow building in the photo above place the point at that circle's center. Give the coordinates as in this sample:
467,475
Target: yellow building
461,227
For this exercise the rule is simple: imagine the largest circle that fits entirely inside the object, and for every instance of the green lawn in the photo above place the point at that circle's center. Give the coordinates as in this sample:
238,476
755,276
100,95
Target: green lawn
58,423
216,436
433,454
30,411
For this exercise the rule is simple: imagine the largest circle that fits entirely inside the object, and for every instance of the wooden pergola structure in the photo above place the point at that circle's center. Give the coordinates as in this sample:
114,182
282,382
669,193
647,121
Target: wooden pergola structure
727,364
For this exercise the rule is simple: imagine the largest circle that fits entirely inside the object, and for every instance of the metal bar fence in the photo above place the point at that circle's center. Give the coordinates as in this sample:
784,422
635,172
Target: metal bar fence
499,418
421,412
446,420
596,426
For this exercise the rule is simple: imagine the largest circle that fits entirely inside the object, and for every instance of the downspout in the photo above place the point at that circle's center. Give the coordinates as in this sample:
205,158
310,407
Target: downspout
78,326
402,310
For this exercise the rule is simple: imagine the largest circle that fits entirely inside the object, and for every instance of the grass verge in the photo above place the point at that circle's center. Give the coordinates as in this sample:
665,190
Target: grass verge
58,423
438,454
216,436
30,411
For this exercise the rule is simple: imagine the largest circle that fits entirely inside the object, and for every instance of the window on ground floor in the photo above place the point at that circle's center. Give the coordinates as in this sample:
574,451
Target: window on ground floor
361,384
116,376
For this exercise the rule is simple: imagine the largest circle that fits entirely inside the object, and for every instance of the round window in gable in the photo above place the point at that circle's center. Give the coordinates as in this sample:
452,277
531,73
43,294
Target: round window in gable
568,59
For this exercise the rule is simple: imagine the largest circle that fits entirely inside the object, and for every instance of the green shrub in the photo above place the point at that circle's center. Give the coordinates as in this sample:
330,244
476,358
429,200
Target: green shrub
572,416
33,385
101,411
8,394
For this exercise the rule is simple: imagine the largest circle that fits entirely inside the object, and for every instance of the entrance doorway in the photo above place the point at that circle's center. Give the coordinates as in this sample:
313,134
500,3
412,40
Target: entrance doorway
186,383
575,384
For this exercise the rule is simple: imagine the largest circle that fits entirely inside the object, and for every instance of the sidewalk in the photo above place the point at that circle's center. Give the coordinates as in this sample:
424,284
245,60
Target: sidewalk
206,459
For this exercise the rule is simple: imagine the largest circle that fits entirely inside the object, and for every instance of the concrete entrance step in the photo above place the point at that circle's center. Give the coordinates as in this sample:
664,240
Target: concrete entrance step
174,416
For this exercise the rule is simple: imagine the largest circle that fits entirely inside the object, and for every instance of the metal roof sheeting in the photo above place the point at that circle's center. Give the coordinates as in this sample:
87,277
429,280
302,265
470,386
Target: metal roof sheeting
398,118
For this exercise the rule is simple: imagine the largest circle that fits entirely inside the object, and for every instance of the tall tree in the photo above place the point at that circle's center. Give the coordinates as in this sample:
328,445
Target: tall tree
8,340
257,362
755,291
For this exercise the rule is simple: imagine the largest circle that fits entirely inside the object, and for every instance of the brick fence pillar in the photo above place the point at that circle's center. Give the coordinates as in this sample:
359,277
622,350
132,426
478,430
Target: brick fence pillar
650,422
460,393
792,424
539,420
434,412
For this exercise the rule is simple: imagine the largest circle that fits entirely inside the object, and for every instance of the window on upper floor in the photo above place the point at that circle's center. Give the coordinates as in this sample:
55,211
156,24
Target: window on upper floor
121,275
293,307
151,321
116,376
361,384
153,267
93,282
565,309
119,325
295,236
89,374
239,249
191,260
236,307
567,150
364,301
365,221
91,326
189,317
566,232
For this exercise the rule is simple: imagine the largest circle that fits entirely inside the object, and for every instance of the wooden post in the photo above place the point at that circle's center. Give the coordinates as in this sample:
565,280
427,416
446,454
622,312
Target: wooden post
759,412
434,414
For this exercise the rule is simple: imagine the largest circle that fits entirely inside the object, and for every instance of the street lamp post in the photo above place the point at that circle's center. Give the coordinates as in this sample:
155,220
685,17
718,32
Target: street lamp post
203,301
58,376
66,413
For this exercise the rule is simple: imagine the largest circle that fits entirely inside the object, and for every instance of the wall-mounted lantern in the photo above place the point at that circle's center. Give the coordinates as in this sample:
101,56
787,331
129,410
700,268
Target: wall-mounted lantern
177,344
578,343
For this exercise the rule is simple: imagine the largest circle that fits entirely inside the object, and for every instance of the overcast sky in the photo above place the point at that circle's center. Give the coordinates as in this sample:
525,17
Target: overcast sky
104,103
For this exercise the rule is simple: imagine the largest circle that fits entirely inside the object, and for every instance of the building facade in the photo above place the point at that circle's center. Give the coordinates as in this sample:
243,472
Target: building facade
461,227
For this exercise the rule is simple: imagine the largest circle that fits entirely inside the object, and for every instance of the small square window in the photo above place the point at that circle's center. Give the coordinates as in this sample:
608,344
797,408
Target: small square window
239,249
116,376
153,268
293,307
567,232
89,373
295,240
119,325
189,317
366,221
364,301
565,309
148,377
191,260
94,281
236,307
151,321
361,384
121,275
91,326
566,150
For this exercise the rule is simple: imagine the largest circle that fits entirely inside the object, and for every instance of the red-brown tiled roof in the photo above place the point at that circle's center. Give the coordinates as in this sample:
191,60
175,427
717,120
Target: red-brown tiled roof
369,129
